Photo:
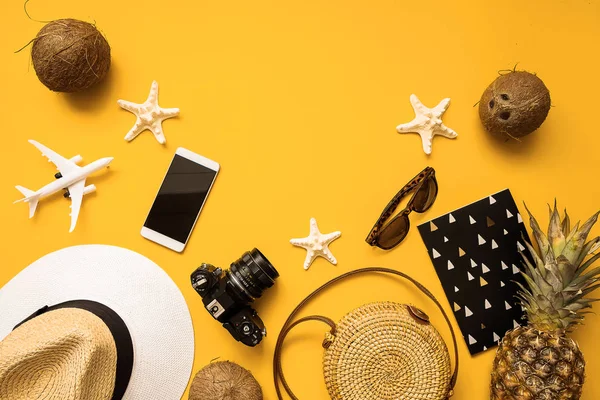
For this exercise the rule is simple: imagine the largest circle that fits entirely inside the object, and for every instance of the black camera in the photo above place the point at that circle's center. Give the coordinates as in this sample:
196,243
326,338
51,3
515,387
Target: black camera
227,294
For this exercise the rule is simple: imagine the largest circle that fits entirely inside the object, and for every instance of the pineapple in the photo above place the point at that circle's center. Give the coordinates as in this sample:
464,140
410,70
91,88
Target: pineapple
539,361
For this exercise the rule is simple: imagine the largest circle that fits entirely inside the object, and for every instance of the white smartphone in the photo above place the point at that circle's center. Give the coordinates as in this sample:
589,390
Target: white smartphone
180,199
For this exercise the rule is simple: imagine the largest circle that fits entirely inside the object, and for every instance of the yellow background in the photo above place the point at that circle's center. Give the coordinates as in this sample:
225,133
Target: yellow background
299,102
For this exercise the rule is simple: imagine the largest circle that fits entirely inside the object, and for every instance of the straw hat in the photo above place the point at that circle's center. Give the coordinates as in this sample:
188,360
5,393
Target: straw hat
66,354
94,323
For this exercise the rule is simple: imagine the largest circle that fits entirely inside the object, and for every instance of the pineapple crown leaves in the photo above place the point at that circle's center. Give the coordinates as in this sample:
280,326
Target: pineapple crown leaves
557,277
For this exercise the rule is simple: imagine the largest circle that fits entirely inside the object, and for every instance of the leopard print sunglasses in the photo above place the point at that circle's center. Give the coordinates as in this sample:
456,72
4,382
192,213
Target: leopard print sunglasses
388,235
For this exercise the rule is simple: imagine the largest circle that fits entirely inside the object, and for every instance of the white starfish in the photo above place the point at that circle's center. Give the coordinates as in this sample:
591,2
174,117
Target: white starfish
317,244
427,122
149,115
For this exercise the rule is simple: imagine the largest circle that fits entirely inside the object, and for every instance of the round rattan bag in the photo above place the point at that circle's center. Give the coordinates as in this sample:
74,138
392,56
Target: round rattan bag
380,351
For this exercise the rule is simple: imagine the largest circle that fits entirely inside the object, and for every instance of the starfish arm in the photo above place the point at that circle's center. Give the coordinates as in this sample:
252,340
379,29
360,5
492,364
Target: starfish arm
330,237
169,113
159,134
329,256
300,242
310,257
441,108
153,96
409,126
443,130
129,106
417,105
426,139
314,228
135,131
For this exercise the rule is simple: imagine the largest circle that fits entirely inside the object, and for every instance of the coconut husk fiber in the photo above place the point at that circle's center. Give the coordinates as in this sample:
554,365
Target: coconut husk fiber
514,105
225,380
70,55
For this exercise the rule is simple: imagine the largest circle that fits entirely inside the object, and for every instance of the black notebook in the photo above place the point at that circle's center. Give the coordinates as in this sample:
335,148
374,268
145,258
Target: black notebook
475,252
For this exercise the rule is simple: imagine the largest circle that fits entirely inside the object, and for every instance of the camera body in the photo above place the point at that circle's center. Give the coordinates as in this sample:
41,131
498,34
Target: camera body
227,294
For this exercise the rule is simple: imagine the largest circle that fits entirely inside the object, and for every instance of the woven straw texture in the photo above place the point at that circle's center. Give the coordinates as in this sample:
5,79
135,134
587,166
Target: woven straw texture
63,354
380,352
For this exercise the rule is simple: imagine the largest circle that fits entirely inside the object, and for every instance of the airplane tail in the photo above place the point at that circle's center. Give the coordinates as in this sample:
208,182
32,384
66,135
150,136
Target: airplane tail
30,197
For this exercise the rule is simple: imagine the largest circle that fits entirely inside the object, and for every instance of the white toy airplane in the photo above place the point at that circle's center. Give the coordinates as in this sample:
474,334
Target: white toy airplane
70,177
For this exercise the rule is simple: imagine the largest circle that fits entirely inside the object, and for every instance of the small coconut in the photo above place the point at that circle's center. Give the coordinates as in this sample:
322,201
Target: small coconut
514,105
225,380
70,55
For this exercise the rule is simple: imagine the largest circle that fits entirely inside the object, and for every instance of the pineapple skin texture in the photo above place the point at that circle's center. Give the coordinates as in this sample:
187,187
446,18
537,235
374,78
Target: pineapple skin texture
537,365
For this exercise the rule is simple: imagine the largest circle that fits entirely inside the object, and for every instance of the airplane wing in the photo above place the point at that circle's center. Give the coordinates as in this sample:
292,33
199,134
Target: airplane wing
76,194
64,165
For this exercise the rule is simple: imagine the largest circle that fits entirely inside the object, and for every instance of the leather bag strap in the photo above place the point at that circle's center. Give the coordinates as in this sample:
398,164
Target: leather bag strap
288,325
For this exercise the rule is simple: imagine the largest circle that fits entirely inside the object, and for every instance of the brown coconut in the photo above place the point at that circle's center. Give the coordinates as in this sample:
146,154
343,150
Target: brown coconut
225,380
514,105
70,55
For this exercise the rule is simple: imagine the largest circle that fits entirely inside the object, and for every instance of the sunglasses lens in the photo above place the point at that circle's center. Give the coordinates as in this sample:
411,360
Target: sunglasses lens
426,195
393,233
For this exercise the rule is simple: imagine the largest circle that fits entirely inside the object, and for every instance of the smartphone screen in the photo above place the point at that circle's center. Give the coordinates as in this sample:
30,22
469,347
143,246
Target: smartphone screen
180,198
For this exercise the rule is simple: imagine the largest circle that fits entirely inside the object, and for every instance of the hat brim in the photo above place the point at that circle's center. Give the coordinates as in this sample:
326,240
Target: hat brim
137,289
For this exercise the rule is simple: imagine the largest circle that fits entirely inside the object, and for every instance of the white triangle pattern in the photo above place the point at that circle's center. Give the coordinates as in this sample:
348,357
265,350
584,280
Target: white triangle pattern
484,268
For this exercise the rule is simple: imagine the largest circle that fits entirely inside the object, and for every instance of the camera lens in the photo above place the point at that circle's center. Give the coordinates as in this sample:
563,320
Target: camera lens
251,275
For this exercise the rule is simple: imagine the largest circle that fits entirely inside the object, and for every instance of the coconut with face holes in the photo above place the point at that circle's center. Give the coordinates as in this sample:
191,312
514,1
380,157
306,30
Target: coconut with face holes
514,105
